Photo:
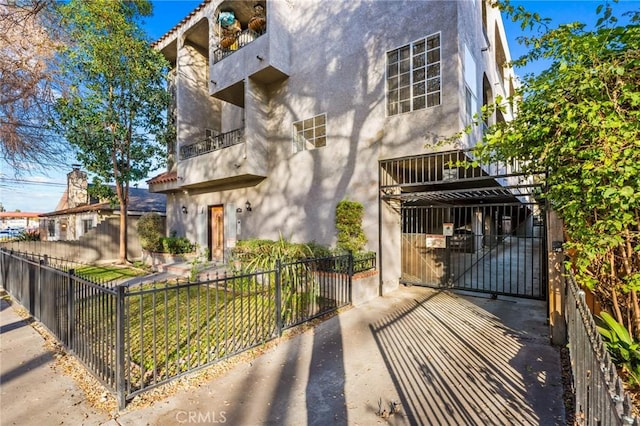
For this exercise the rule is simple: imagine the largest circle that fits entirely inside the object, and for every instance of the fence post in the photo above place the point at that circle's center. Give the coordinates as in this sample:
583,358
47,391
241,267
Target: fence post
39,291
350,272
555,278
120,347
70,309
279,297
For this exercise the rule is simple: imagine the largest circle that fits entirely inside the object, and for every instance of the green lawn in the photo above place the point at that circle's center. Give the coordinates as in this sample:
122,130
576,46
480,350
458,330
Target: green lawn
180,328
172,328
107,273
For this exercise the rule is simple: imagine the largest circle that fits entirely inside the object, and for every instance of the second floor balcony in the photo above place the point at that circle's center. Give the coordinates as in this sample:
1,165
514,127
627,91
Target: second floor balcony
212,143
225,160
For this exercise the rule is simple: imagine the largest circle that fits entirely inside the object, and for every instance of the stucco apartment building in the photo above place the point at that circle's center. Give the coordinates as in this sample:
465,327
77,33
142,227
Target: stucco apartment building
279,119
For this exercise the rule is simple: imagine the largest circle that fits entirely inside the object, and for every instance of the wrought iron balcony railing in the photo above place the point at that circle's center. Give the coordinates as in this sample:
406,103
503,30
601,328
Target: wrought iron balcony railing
241,40
212,143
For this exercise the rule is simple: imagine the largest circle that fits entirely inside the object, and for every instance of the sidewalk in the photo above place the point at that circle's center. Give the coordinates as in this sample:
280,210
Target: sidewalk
417,356
32,391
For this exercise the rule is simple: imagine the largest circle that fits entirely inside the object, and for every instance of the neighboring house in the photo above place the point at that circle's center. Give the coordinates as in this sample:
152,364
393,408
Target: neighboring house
19,220
77,214
328,100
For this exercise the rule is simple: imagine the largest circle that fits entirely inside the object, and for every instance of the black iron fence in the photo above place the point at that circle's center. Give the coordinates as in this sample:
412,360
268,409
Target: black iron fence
600,398
137,337
364,262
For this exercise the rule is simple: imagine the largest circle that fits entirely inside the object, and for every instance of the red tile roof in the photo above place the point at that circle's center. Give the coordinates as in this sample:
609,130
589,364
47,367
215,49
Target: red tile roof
17,215
164,178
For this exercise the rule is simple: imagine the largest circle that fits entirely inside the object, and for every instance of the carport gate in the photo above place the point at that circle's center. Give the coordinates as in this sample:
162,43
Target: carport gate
467,228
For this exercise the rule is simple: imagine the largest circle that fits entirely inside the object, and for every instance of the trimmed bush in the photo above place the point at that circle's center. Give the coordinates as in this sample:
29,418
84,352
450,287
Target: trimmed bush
349,216
176,245
150,228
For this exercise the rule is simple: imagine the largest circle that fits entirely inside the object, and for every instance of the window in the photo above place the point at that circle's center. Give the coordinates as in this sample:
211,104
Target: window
51,227
413,76
87,224
310,133
470,85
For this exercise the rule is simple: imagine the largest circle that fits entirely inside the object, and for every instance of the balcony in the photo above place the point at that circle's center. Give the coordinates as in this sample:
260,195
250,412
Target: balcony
244,51
241,40
224,161
212,143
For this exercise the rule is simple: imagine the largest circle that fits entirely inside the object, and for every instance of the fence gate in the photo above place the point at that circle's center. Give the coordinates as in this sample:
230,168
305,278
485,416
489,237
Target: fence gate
475,228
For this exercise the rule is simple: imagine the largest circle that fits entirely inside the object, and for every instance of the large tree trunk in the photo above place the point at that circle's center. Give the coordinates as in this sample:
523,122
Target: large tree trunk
123,199
122,256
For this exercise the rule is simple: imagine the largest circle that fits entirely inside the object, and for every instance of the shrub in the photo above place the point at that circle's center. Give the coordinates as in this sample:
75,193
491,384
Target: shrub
246,249
349,216
176,245
150,232
263,254
29,236
319,250
623,348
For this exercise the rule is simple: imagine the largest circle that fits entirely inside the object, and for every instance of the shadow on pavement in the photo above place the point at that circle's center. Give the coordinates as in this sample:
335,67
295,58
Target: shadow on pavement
25,367
454,360
13,326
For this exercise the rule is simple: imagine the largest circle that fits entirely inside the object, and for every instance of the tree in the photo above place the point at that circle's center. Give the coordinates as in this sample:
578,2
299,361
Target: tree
579,120
114,113
29,38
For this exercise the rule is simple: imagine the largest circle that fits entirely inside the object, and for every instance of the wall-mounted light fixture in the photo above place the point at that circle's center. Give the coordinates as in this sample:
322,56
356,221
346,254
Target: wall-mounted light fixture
238,210
184,210
247,206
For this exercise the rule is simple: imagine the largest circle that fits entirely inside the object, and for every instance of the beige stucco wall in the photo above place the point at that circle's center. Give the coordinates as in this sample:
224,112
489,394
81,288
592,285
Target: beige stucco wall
334,53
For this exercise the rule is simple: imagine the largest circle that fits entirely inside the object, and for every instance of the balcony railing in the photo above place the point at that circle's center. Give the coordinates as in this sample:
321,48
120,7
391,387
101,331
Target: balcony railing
243,38
212,143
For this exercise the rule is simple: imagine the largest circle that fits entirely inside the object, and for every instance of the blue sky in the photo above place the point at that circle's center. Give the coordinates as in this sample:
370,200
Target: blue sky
42,192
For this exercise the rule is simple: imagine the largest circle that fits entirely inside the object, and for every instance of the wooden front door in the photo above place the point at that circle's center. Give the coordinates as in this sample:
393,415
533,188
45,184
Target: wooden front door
216,233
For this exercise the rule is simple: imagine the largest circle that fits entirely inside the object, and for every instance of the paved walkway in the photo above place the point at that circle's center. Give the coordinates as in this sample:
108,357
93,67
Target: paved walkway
417,356
32,390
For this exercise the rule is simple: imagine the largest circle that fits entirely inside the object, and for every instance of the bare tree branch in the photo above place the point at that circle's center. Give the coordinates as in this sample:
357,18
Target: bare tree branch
29,83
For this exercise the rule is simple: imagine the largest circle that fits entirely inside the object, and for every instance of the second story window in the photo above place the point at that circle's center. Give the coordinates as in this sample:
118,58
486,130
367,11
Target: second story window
413,76
310,133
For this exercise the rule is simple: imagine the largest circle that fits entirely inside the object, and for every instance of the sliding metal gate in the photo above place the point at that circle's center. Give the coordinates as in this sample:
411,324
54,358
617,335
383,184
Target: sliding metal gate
475,228
495,248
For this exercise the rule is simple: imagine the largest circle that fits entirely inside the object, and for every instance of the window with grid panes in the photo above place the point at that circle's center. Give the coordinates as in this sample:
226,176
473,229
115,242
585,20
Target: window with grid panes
310,133
413,76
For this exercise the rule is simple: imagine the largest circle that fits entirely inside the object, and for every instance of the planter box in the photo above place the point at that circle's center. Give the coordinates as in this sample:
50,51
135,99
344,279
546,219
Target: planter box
364,287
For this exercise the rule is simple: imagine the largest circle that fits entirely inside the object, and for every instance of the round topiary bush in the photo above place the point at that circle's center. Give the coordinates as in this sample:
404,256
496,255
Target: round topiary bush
150,232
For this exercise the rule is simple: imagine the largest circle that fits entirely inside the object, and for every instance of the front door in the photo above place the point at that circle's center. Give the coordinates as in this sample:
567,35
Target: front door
216,233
